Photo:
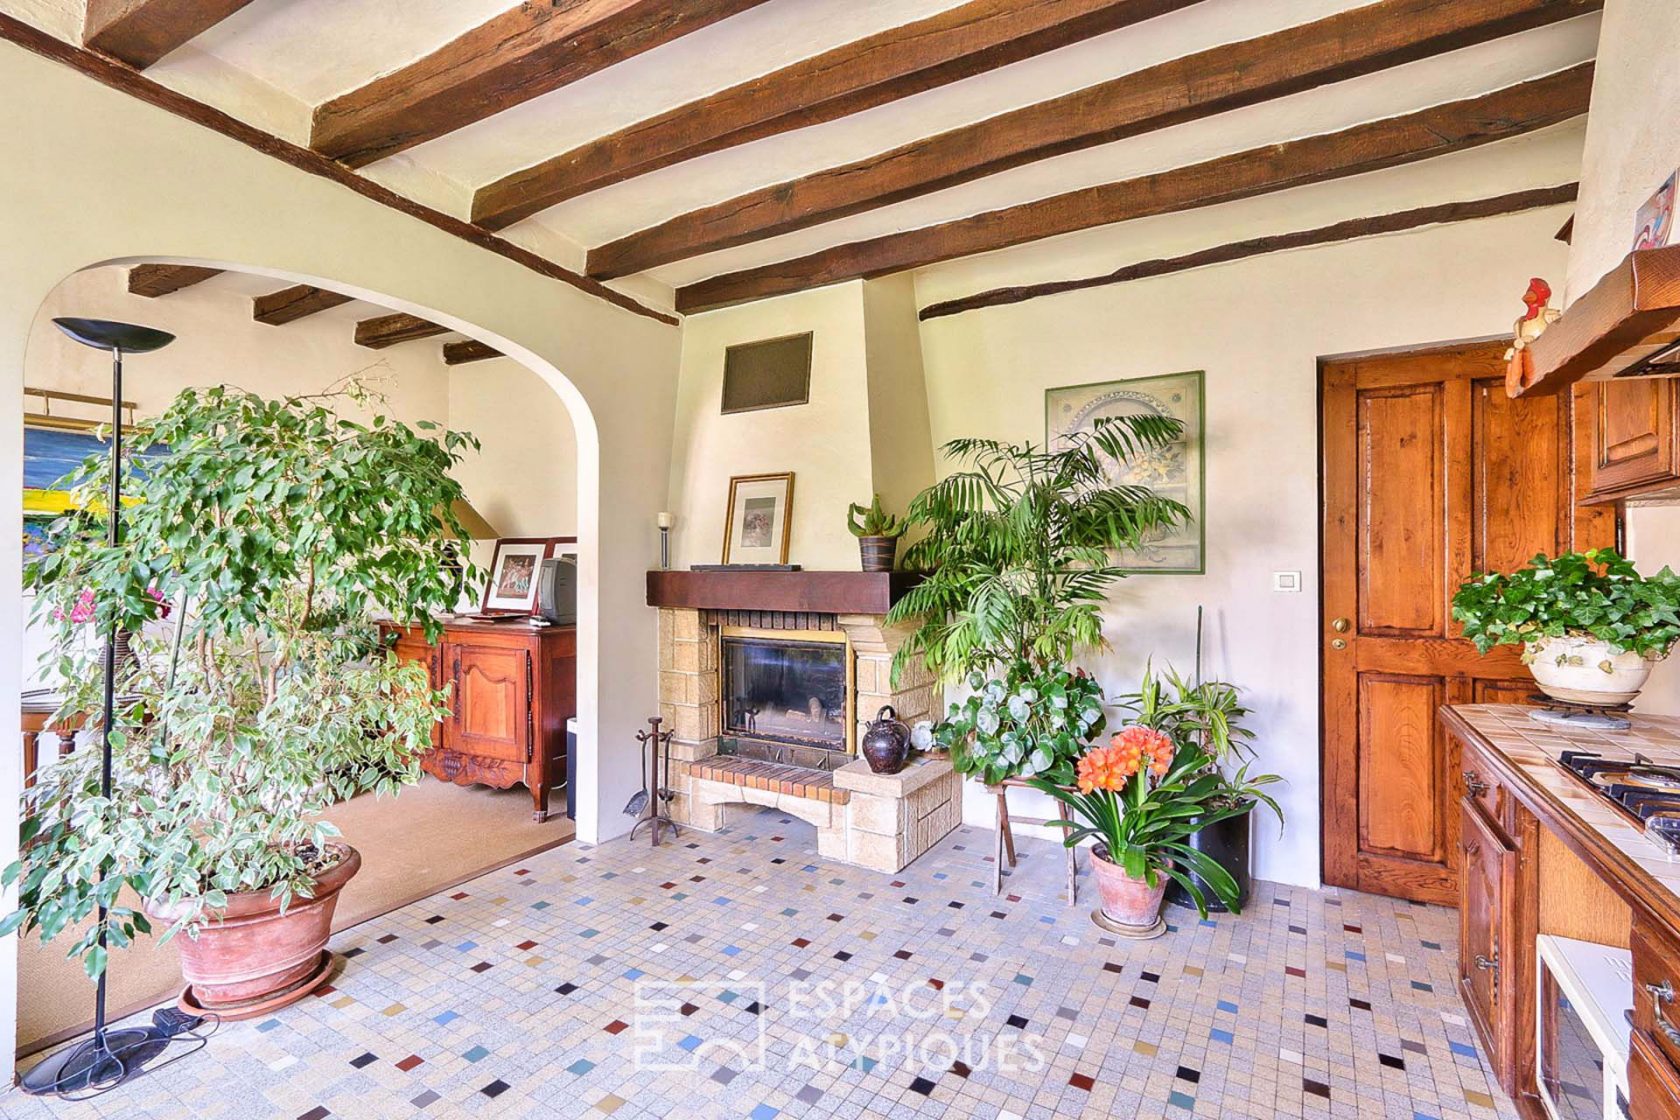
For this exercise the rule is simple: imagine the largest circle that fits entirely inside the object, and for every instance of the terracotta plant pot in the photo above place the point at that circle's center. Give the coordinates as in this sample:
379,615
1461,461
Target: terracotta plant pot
1132,906
1586,670
878,553
254,959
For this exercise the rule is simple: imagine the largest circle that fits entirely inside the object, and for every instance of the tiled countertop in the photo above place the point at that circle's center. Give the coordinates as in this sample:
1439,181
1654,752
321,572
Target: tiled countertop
1529,749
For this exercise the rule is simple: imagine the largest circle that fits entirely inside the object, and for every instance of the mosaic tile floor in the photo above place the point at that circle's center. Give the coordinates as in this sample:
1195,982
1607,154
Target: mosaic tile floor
619,981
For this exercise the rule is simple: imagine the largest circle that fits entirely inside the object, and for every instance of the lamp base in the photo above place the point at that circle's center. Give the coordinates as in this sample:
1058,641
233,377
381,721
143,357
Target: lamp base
89,1067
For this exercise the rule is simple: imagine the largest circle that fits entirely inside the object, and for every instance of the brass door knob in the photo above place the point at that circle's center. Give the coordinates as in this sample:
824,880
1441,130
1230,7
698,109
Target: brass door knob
1339,625
1338,643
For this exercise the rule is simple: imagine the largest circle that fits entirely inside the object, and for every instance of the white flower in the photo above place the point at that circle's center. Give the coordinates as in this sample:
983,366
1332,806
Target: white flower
921,735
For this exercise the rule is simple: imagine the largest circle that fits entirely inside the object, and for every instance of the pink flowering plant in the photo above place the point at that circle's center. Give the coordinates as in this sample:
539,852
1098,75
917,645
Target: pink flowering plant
257,693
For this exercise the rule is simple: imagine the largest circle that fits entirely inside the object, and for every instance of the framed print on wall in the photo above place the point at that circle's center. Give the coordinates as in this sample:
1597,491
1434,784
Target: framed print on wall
512,587
760,519
1173,472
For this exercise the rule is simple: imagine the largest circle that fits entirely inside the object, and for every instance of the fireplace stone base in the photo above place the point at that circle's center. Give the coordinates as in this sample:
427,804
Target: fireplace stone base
878,821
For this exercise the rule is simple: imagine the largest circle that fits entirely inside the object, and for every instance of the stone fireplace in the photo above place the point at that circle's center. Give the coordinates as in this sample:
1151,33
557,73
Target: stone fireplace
766,707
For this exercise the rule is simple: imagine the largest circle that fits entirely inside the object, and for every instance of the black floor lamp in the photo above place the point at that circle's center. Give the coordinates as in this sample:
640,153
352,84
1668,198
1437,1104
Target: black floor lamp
110,1057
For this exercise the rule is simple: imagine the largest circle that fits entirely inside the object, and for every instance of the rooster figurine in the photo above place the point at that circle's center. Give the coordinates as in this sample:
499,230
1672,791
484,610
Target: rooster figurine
1519,365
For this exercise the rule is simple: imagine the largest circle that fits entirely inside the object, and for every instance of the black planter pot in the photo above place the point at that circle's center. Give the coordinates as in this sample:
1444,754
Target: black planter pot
1226,842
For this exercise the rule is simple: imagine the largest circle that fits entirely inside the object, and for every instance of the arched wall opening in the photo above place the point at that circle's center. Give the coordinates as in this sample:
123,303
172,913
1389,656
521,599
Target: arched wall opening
183,194
522,479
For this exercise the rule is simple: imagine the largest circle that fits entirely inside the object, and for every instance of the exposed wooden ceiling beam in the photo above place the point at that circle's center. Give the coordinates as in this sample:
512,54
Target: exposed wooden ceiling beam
142,31
467,350
388,330
966,40
1397,222
1430,132
1226,77
124,79
291,304
523,53
153,280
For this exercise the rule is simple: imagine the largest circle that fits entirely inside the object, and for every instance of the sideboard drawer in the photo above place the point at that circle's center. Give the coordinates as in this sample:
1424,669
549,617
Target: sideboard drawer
1482,787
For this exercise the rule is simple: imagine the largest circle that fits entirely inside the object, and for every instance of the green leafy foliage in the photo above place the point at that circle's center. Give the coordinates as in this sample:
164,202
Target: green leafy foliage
872,521
1031,722
1595,594
1017,549
258,693
1146,826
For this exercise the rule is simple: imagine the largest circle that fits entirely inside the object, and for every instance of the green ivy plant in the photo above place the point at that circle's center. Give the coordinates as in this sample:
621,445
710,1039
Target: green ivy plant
1595,594
260,538
1032,722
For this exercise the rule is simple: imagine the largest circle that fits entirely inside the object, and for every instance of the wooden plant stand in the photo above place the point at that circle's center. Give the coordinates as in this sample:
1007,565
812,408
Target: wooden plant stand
1003,840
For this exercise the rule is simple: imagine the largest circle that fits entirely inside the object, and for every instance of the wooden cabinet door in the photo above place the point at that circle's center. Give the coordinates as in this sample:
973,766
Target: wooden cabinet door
1633,435
1653,1082
491,702
1430,473
1488,886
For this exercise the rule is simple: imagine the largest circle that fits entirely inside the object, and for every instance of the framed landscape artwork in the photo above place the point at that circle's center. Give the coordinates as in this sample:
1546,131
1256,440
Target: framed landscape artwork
1174,472
759,522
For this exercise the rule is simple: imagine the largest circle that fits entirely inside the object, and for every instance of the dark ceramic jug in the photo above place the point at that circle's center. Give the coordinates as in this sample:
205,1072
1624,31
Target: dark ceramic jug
886,742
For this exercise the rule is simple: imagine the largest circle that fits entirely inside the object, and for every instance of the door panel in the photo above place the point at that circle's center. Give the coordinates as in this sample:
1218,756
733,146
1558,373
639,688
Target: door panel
1634,434
491,701
1430,473
1401,767
1400,511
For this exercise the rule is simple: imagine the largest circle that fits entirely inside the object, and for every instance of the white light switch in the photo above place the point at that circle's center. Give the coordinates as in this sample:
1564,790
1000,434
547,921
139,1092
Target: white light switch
1286,581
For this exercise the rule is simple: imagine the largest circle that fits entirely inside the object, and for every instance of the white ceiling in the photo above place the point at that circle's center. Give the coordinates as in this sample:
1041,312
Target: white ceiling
275,60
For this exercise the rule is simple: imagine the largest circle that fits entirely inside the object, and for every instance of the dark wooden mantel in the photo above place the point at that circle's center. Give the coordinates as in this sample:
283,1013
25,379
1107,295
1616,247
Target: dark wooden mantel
817,592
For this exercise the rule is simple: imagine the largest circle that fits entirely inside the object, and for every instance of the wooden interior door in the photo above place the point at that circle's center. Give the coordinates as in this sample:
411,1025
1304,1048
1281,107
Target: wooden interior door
492,701
1430,473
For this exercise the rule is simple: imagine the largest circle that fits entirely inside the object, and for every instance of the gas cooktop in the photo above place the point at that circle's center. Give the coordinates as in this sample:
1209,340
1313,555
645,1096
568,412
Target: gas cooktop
1647,793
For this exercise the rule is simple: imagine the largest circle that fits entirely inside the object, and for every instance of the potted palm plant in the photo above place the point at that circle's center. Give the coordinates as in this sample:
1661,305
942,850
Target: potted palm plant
1018,555
262,536
1590,625
1139,799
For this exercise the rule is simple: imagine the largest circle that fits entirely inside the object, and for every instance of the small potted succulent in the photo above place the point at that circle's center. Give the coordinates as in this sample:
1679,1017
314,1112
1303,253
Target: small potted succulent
877,532
1590,625
258,693
1140,798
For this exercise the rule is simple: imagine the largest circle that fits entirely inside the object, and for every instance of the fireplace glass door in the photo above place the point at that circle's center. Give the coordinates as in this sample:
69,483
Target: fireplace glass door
785,691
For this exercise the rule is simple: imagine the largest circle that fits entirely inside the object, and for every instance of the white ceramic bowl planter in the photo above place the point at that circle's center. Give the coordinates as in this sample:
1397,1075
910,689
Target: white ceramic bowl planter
1583,670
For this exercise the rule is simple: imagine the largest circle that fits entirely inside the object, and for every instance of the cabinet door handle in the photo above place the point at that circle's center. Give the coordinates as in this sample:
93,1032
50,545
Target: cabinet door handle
1661,994
1485,963
1473,785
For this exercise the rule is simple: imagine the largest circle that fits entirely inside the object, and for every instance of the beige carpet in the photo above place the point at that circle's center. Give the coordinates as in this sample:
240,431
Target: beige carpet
431,836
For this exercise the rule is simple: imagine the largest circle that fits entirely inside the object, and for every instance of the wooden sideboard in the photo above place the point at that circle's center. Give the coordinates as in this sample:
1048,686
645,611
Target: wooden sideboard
1540,854
512,689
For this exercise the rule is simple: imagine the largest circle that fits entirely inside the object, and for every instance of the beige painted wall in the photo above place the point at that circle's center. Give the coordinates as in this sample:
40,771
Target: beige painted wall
1258,329
524,480
108,179
825,442
1633,132
901,442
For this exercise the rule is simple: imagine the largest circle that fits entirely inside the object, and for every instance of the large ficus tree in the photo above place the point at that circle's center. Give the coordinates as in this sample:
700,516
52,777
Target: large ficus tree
259,536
